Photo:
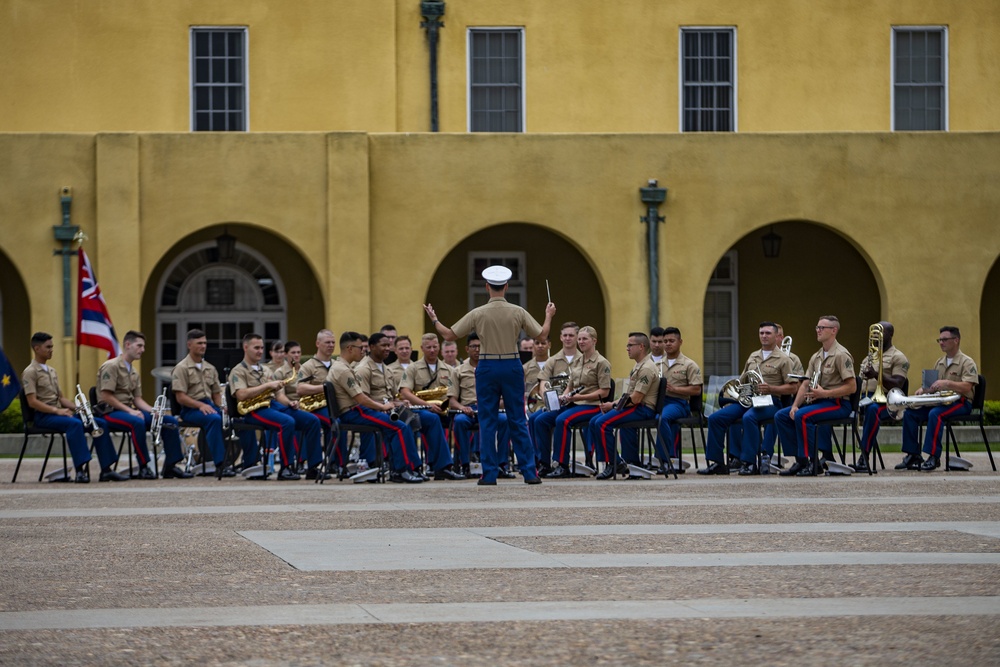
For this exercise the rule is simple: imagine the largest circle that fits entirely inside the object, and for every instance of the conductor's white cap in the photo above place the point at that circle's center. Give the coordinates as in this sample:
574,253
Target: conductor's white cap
497,275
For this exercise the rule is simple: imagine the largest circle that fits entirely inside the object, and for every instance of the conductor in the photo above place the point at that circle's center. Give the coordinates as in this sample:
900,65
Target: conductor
499,373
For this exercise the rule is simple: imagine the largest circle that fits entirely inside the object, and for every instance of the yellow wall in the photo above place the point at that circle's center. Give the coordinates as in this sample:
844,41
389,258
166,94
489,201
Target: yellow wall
592,65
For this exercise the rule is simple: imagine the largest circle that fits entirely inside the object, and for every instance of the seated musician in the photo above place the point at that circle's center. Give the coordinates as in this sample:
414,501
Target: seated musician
449,354
532,398
120,389
745,440
429,372
956,373
195,383
40,385
357,407
277,350
402,348
554,373
589,384
683,382
249,380
311,376
828,398
462,401
895,367
638,403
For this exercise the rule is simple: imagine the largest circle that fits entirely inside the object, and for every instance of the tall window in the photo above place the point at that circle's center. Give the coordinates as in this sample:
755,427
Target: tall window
516,290
721,316
708,80
920,78
496,80
219,79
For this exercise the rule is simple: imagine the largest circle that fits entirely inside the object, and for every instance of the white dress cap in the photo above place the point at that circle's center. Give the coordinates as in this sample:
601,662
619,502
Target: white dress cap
497,275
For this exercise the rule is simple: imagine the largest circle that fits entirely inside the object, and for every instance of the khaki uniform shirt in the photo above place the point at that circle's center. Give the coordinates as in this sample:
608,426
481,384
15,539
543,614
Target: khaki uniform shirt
838,367
378,383
116,376
558,364
345,384
645,379
499,324
591,374
312,371
283,372
418,376
775,369
683,373
463,384
961,369
532,373
894,362
247,377
797,368
397,371
43,382
198,383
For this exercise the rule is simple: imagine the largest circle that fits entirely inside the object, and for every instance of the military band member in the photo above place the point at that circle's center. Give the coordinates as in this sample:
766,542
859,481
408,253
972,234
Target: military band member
895,367
956,372
195,383
249,380
389,330
429,372
403,349
656,349
532,372
311,376
797,368
774,367
53,410
829,400
500,375
589,385
356,407
120,389
462,400
641,392
277,356
449,354
683,381
559,363
526,345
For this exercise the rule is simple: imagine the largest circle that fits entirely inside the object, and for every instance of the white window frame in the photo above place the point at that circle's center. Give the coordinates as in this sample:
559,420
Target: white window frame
477,286
680,73
733,289
246,72
468,74
944,73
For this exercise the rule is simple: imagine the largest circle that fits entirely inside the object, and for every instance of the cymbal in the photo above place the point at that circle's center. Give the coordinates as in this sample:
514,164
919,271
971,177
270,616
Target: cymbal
162,373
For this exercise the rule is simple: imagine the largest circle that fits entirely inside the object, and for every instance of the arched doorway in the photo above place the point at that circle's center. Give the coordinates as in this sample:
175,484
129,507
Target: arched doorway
792,289
989,320
15,315
535,254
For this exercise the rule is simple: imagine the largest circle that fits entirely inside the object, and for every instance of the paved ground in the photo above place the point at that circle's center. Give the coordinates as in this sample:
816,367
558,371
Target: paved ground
898,568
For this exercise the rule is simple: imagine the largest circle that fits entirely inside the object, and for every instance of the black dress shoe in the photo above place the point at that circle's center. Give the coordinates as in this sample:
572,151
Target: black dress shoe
795,467
735,464
314,473
411,477
807,469
146,473
288,474
544,471
83,474
715,468
611,469
910,462
558,473
506,474
749,469
861,465
533,480
483,482
172,472
447,473
110,475
932,463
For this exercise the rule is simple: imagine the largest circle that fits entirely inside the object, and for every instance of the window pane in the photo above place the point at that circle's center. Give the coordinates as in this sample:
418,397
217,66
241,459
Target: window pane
495,81
201,43
218,44
708,59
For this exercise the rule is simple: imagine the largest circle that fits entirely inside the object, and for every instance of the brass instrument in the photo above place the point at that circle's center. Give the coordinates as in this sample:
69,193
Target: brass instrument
558,383
86,413
227,421
261,400
312,402
814,382
876,337
156,418
897,401
786,345
744,388
434,395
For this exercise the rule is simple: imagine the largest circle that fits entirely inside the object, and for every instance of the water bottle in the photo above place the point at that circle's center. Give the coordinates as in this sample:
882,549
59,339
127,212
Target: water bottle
362,465
270,461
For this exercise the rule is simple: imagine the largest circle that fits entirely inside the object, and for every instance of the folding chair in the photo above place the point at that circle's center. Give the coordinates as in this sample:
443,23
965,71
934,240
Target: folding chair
239,423
850,420
125,439
331,404
581,428
647,432
974,417
28,415
175,410
697,420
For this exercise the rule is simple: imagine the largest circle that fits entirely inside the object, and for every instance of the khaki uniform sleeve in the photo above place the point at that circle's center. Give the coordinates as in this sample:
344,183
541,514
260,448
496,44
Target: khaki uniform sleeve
179,379
107,378
28,379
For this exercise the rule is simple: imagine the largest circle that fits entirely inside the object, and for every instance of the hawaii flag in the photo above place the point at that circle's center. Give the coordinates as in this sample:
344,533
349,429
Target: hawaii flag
93,324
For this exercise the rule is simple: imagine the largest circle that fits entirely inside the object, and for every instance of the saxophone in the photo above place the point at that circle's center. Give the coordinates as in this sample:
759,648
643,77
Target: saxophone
261,400
312,402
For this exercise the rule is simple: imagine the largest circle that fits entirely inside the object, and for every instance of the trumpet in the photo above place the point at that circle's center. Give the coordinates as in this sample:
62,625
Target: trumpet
814,382
156,417
261,400
86,413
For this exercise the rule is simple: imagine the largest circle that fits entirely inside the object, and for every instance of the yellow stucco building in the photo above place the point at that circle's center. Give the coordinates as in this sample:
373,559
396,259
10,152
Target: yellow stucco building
346,212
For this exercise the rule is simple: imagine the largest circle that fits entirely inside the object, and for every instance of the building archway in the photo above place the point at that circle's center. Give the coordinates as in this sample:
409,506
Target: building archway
793,289
989,320
536,254
15,315
229,281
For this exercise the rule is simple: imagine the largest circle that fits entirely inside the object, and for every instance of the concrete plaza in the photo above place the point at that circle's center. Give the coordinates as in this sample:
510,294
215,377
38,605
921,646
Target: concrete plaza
896,568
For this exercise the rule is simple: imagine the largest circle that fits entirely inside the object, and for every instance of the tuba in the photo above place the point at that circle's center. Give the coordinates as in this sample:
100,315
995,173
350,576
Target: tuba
261,400
743,389
897,401
86,413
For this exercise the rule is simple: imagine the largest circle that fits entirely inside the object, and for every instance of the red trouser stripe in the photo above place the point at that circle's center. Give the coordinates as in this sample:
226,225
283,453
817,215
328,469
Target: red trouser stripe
399,434
609,422
135,440
281,441
936,442
805,430
867,447
566,425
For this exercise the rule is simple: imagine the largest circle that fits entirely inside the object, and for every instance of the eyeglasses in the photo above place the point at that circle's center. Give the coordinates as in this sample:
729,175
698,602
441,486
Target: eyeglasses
820,327
942,340
355,347
630,345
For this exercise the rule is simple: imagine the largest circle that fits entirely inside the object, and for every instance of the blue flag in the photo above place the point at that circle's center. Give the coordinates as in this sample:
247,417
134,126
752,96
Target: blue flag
9,383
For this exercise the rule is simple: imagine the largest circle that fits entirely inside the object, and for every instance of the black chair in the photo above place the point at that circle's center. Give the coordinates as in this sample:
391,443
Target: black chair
205,455
647,431
125,433
580,428
28,415
695,420
974,417
887,420
851,421
238,423
331,403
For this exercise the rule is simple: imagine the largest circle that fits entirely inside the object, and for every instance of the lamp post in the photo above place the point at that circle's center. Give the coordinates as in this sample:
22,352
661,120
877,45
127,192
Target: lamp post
433,13
652,196
67,234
